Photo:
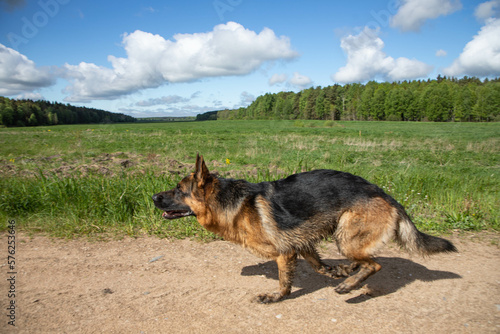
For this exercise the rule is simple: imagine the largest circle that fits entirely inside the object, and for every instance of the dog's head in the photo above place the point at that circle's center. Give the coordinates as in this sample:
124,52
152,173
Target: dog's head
188,197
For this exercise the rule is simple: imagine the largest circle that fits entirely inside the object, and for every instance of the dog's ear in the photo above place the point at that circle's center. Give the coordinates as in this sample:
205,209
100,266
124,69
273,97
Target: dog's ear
201,172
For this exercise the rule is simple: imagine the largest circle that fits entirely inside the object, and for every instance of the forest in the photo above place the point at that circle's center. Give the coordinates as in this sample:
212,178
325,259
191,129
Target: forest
468,99
441,100
15,112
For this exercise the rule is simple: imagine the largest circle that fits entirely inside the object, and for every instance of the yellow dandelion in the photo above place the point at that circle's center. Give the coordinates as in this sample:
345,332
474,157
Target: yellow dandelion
228,161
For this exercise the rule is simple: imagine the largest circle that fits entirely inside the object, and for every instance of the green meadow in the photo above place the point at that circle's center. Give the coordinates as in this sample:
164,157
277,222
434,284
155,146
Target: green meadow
97,180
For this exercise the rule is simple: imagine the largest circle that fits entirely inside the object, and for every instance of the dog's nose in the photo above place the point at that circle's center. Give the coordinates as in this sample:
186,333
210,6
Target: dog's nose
157,197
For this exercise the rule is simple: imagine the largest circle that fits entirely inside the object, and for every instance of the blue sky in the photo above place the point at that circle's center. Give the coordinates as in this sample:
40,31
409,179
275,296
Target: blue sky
177,58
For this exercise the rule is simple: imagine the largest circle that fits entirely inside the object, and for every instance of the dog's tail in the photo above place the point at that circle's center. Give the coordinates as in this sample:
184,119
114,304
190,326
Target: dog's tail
413,240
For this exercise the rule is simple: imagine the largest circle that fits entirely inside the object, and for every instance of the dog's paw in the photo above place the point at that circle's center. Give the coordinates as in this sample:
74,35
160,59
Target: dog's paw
343,288
266,298
342,270
348,285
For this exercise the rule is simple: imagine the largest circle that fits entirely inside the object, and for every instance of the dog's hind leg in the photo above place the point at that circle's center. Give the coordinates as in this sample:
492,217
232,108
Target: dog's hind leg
286,267
313,258
361,231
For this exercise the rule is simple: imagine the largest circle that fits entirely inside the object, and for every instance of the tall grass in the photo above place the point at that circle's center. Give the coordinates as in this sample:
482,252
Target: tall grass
445,174
92,205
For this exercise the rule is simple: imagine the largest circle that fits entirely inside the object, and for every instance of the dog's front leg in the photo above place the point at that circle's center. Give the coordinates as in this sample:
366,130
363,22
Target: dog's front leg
286,267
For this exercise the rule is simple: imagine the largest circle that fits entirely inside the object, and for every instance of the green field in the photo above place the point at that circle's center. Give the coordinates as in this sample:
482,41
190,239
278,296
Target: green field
97,180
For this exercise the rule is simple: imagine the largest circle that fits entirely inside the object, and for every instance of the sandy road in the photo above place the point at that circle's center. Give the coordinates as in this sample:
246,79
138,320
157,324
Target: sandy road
150,285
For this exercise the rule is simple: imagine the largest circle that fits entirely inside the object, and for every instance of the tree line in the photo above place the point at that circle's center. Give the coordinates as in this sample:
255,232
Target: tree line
15,112
444,99
207,116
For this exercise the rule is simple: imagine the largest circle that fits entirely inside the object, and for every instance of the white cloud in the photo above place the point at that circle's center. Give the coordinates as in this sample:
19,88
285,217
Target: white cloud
185,110
481,56
229,49
277,79
299,80
296,81
366,61
246,98
20,75
146,10
441,53
195,94
412,14
486,10
170,99
407,69
30,96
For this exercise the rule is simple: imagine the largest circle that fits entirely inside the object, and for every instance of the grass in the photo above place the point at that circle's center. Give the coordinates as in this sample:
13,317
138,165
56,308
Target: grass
98,179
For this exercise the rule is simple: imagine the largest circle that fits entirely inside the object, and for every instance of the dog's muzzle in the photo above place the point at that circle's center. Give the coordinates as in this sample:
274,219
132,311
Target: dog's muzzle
171,210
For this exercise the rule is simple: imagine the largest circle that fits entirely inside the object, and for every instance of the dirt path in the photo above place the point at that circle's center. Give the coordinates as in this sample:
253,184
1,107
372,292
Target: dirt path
149,285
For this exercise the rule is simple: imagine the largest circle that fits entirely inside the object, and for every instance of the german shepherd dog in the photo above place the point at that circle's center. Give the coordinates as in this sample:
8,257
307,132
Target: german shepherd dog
283,219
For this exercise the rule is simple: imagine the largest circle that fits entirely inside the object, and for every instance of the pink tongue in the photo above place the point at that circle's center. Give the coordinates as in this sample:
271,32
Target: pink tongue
164,214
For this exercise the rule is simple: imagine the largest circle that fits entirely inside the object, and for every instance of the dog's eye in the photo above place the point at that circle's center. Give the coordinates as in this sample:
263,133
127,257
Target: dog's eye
178,186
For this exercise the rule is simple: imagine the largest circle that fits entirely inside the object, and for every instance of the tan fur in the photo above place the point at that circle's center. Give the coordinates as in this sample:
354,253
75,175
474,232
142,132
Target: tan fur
362,230
365,227
242,224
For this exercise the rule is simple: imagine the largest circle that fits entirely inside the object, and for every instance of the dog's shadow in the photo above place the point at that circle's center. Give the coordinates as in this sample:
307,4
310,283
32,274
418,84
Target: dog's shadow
395,274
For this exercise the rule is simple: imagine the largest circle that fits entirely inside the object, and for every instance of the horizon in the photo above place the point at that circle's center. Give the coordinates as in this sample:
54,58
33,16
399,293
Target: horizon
438,78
